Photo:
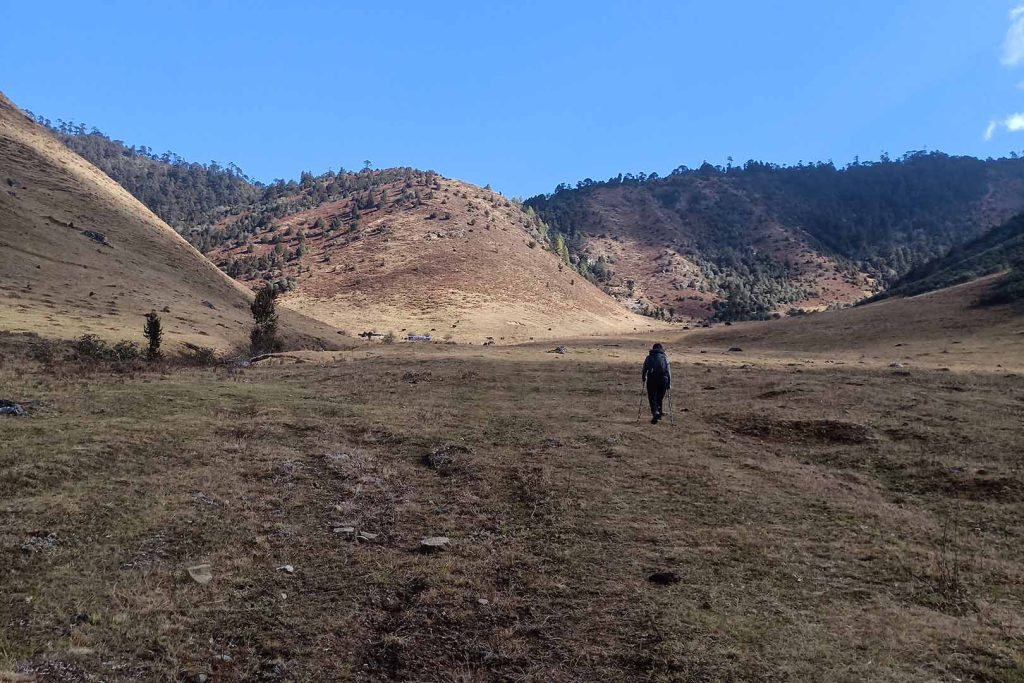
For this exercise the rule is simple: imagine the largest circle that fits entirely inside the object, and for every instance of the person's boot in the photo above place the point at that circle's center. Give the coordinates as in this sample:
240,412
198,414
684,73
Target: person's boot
654,420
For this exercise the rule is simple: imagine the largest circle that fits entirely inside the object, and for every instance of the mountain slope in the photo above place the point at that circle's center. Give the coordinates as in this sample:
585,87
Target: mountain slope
411,252
79,254
745,242
999,249
186,195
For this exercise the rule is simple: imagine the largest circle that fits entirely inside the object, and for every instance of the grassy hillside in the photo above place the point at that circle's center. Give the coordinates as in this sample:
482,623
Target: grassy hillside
406,251
79,254
743,242
940,329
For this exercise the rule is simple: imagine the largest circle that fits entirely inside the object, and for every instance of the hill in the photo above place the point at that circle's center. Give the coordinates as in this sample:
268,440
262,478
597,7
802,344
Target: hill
746,242
503,287
1001,248
729,243
186,195
407,251
79,254
945,328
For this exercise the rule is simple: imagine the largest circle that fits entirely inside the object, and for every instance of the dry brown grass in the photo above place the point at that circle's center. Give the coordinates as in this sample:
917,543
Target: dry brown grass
827,522
469,277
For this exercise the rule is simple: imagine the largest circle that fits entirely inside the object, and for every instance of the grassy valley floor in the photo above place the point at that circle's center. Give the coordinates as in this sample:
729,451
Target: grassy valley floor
825,522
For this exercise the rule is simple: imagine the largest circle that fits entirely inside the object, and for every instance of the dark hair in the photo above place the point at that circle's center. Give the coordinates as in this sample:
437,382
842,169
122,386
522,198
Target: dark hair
657,347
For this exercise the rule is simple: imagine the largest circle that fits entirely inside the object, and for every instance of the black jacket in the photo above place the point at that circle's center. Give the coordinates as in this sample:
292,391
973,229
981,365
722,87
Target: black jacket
656,368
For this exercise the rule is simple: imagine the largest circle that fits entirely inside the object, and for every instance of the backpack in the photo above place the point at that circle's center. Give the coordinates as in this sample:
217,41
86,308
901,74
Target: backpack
659,365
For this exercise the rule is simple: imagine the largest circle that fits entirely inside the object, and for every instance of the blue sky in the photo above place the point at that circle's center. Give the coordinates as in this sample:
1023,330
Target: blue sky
524,95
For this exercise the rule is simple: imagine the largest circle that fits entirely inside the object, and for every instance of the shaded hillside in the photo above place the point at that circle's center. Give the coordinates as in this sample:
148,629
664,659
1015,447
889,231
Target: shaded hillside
408,251
79,254
744,242
999,249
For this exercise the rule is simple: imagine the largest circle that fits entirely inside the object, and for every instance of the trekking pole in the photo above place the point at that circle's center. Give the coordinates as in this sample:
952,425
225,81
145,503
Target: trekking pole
671,416
640,408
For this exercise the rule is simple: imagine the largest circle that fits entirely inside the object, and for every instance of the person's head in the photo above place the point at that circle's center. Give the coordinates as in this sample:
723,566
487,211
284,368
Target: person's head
657,347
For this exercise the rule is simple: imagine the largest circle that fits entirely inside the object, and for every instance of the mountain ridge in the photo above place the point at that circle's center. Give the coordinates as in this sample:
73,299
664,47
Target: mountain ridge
753,241
732,243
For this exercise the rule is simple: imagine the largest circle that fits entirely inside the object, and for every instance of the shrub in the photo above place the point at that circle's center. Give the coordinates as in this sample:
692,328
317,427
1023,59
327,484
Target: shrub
389,338
91,347
125,350
199,355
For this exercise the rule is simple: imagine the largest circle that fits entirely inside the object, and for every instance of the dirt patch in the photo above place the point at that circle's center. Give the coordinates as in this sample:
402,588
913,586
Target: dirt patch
799,431
980,485
775,393
448,460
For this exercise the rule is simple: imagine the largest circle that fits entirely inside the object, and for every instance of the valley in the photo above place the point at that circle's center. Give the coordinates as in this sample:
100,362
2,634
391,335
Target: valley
818,513
443,468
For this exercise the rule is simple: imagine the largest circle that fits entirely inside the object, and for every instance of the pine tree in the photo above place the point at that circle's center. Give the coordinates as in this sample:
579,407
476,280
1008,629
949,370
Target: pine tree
263,338
154,335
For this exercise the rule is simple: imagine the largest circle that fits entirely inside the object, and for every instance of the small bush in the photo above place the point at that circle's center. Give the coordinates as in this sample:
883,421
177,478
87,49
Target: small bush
91,347
389,338
202,356
125,350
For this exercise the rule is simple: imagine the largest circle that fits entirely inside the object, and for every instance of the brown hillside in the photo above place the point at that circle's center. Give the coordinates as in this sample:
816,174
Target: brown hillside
79,254
460,262
653,247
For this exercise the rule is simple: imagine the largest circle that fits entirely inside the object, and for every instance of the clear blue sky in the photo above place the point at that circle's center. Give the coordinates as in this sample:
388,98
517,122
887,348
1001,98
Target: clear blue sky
524,95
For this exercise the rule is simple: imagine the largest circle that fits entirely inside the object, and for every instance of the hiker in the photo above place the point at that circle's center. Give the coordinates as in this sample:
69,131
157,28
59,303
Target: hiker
657,375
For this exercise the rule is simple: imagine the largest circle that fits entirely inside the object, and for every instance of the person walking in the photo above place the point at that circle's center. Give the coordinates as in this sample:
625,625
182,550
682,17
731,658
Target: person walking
657,376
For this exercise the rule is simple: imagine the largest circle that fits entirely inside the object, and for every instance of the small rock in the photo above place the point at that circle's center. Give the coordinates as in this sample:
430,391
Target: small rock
81,651
664,578
735,349
348,531
11,408
483,601
559,349
286,568
367,537
434,543
896,365
201,574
